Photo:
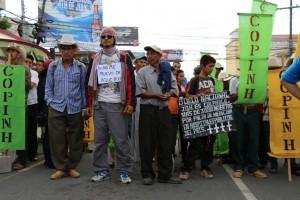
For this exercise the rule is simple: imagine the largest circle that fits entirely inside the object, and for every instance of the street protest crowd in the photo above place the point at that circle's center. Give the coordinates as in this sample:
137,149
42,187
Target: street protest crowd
137,108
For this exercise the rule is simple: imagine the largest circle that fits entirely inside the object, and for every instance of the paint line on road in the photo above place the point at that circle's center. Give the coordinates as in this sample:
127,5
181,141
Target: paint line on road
22,171
240,184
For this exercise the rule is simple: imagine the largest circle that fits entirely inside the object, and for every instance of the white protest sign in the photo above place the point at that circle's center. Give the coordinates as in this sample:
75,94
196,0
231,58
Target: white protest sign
109,73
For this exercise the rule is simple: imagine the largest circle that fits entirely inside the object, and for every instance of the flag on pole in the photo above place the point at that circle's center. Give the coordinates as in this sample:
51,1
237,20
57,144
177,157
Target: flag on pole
255,33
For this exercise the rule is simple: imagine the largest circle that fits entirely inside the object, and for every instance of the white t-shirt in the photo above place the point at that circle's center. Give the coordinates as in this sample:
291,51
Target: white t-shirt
109,92
233,85
32,95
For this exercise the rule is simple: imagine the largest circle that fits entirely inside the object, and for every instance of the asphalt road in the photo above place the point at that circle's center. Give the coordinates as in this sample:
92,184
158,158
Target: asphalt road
33,183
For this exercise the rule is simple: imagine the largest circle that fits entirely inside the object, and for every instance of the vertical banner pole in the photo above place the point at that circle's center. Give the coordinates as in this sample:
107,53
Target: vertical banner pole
289,170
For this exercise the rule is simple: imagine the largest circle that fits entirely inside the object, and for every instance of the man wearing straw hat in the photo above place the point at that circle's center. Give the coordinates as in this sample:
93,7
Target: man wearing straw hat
65,97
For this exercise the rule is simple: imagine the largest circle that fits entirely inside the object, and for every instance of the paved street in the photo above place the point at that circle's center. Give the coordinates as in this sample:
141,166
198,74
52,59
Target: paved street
33,183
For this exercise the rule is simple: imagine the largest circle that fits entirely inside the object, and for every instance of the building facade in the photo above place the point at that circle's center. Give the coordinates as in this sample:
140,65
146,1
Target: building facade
280,47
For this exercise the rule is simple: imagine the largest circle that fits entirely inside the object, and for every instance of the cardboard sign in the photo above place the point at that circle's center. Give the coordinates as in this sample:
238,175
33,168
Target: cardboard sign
109,73
206,115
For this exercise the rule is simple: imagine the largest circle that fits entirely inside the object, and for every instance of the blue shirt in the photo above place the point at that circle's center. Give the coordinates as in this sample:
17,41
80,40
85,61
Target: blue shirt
65,89
292,74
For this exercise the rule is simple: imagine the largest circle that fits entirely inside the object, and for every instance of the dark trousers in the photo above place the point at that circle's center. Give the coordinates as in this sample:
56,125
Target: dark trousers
46,147
22,155
176,124
203,147
66,146
32,131
155,133
264,146
245,141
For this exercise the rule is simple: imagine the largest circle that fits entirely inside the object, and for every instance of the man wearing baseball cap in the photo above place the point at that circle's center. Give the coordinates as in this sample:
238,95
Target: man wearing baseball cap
155,125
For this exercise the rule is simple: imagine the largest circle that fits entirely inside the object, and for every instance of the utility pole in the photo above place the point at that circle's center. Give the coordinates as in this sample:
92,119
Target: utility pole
291,7
20,26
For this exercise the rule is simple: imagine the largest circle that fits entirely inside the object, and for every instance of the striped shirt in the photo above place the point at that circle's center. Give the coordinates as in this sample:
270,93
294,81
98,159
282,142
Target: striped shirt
65,89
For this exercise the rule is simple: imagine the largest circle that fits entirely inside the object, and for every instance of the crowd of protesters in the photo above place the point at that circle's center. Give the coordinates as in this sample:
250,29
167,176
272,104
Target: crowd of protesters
138,110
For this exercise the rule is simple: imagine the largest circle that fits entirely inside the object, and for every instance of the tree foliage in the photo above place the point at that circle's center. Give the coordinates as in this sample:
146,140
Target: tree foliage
4,23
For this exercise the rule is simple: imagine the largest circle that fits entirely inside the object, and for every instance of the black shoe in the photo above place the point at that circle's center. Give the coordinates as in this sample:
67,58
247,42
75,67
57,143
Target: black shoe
261,166
148,181
112,165
49,165
296,172
171,180
273,171
33,159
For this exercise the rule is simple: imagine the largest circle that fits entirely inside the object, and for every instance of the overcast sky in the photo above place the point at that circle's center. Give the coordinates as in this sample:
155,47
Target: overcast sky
192,25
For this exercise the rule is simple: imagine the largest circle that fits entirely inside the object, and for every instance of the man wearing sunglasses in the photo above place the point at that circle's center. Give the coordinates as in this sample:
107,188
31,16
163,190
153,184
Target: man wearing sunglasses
111,92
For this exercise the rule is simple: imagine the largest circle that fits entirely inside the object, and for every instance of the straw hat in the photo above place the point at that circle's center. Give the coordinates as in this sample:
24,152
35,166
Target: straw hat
154,48
17,47
67,40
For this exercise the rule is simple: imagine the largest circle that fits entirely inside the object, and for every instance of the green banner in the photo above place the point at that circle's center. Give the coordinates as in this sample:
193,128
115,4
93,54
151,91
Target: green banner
264,7
12,107
255,33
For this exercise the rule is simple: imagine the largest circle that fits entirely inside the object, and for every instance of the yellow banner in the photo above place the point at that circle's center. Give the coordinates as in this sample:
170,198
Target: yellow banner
89,130
284,112
297,53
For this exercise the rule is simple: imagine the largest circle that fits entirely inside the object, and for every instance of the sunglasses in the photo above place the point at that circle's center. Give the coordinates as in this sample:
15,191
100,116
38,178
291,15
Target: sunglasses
106,36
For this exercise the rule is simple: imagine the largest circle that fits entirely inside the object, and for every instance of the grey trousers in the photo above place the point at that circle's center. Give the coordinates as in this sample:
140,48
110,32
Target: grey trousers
65,146
109,119
135,132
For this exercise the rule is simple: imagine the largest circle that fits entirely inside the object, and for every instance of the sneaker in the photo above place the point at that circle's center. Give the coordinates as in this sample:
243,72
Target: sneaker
259,174
184,175
207,173
101,176
237,174
124,177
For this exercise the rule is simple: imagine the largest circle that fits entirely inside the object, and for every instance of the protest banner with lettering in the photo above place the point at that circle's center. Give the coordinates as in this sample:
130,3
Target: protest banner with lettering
109,73
12,107
255,33
297,52
89,130
206,114
264,7
284,112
